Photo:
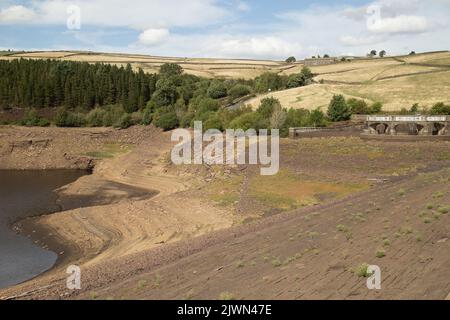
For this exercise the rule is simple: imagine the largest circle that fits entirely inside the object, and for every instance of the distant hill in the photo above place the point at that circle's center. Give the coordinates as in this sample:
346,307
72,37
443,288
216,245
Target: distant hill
398,82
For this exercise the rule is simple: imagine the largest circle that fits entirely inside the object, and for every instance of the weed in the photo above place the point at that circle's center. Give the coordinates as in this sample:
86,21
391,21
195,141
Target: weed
226,296
380,254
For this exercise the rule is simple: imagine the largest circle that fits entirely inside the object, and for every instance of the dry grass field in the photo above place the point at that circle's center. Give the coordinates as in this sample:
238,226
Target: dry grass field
224,68
398,82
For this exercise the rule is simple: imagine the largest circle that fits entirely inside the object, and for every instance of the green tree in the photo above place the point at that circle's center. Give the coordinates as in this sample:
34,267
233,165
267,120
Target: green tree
267,107
167,121
217,89
358,106
338,109
170,70
291,59
440,109
238,91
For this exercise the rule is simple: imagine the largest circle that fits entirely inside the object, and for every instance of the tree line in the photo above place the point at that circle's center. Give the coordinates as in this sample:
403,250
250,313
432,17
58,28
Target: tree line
83,94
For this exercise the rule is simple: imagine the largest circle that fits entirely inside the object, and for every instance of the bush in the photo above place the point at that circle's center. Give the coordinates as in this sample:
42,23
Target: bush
317,118
247,121
113,114
291,60
217,90
295,80
147,116
207,104
358,106
136,118
268,82
43,122
214,122
64,118
170,69
338,109
167,121
96,117
440,108
31,118
238,91
267,107
124,122
186,119
376,107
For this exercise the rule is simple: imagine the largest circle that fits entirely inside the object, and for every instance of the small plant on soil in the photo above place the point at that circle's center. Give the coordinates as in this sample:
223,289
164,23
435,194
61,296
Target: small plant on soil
386,243
419,238
430,206
226,296
380,254
142,284
444,210
401,192
438,195
313,234
362,270
276,263
427,220
240,264
342,228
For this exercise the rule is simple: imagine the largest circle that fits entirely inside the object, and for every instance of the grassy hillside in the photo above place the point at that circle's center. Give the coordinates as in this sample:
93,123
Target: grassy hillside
398,82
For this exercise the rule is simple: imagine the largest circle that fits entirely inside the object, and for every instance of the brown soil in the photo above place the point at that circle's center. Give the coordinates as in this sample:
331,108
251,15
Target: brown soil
216,230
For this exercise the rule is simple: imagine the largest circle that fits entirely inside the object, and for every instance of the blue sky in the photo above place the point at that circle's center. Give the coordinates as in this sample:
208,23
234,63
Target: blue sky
228,28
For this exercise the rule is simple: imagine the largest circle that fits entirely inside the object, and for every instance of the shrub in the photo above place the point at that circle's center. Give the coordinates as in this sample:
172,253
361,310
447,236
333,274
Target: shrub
213,122
207,104
358,106
170,69
124,122
147,116
247,121
268,82
291,59
380,254
338,109
217,90
317,118
31,118
238,91
362,270
64,118
440,108
95,117
167,121
376,107
267,107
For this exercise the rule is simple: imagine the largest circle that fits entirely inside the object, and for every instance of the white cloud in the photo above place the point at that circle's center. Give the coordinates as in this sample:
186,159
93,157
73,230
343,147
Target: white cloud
152,37
138,14
243,6
350,40
16,14
399,24
269,46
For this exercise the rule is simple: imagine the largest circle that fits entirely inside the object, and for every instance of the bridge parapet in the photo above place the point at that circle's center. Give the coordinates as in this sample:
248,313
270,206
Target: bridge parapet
435,125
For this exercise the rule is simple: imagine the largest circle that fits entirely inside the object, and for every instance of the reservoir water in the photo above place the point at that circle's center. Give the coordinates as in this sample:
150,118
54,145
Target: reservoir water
24,194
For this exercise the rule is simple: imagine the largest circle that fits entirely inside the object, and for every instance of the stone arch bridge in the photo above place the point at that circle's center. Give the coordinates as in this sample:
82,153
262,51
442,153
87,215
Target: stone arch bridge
408,125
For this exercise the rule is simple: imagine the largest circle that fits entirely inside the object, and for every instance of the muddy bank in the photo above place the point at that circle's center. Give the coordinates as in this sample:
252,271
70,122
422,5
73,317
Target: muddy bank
106,193
27,194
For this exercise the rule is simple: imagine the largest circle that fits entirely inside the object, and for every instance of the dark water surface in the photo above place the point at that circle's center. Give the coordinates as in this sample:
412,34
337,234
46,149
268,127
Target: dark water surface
24,194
